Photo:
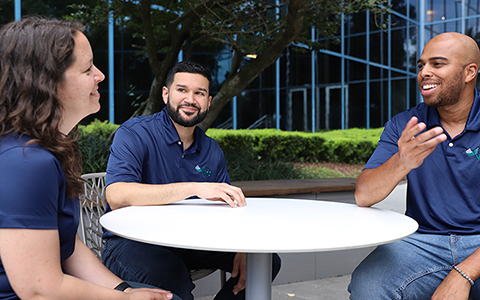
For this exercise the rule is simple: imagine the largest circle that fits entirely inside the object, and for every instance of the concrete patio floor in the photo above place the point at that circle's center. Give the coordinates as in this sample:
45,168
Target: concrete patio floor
324,289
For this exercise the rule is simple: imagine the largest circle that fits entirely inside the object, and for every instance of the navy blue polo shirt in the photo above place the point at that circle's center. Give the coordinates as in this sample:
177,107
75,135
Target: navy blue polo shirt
147,149
32,196
443,194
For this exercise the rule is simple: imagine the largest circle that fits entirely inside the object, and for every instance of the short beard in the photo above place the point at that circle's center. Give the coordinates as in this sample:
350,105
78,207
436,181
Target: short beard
177,118
454,89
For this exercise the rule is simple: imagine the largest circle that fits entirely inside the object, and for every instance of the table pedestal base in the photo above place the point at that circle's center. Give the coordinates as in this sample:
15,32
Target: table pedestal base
259,276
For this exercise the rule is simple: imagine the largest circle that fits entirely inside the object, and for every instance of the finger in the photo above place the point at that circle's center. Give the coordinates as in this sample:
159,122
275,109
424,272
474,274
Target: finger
429,134
237,195
241,283
226,198
428,146
234,194
411,124
238,288
236,265
412,129
428,141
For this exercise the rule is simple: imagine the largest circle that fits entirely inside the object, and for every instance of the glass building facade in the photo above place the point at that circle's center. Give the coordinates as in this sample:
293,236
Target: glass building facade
362,77
362,80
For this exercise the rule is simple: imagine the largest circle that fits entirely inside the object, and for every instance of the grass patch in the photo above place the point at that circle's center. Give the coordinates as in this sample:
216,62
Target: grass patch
320,172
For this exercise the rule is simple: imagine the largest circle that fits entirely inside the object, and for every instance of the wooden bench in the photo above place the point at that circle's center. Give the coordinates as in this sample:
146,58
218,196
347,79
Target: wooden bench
262,188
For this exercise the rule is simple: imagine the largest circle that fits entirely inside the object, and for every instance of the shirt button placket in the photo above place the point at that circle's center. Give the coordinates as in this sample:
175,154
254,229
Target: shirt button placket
180,144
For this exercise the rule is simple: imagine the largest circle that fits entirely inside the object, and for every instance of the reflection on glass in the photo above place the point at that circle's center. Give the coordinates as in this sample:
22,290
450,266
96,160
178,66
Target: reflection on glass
433,30
473,29
443,10
473,7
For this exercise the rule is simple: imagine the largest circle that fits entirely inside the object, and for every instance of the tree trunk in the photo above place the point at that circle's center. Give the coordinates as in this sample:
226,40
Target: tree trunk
160,68
241,79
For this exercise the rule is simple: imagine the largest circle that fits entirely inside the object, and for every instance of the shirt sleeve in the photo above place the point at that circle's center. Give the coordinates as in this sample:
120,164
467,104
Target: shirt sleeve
30,183
125,163
387,146
222,168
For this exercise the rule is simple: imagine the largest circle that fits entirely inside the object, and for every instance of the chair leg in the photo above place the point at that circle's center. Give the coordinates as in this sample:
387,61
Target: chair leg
223,277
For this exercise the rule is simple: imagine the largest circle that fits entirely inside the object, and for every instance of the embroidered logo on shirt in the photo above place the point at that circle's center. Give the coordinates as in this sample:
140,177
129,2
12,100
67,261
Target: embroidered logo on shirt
473,153
204,170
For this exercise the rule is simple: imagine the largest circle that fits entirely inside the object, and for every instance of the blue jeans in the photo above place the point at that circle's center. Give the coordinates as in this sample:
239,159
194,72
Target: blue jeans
411,268
169,268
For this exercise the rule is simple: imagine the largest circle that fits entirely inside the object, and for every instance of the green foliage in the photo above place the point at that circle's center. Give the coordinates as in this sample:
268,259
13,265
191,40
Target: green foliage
245,165
97,128
350,146
242,140
294,146
94,141
94,151
159,30
345,146
260,154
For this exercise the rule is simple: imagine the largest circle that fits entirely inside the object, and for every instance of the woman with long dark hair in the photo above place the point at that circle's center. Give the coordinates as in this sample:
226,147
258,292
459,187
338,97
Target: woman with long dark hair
48,83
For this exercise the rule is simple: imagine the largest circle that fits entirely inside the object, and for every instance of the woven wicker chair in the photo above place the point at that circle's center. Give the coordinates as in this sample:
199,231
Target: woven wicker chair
93,205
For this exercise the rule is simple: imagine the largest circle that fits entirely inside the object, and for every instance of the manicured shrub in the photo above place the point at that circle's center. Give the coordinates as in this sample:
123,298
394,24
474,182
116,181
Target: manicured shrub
94,141
344,146
259,154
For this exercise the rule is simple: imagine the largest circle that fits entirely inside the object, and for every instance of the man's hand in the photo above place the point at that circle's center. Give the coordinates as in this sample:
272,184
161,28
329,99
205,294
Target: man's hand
453,287
413,147
221,192
374,185
239,267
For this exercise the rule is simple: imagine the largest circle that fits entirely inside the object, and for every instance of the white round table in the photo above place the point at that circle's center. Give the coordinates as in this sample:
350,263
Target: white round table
263,227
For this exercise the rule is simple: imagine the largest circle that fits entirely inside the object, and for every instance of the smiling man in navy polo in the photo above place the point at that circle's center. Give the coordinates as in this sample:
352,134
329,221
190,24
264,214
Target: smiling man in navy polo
434,145
164,158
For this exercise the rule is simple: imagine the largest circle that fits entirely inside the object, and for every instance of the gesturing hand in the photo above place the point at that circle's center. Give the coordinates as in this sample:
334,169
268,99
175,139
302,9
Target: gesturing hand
413,147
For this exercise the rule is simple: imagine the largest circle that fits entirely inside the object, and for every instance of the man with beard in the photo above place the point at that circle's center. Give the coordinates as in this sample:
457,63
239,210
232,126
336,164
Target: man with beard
164,158
436,145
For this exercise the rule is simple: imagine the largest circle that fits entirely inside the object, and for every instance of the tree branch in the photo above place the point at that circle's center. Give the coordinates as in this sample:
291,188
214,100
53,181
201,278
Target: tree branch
240,80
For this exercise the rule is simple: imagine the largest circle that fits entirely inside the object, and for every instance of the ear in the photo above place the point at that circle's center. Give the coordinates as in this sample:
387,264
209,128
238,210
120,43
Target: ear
165,94
471,71
209,102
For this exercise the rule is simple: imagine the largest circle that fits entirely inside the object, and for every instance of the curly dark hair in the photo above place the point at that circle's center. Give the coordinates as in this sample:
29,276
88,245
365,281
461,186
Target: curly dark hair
34,54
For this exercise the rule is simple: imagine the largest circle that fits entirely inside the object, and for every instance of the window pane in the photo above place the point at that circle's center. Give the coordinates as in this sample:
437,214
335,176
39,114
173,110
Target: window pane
433,30
355,46
440,10
378,47
329,69
473,7
355,71
473,28
399,49
356,105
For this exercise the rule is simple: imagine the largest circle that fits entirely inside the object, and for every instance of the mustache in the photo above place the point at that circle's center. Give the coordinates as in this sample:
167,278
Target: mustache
188,105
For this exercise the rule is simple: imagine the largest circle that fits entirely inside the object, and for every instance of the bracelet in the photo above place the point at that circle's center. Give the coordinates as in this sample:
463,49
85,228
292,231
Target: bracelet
463,274
122,286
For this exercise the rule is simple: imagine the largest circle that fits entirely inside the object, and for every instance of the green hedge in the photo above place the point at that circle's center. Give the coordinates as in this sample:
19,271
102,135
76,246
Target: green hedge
345,146
261,147
94,142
